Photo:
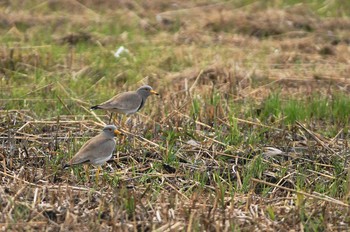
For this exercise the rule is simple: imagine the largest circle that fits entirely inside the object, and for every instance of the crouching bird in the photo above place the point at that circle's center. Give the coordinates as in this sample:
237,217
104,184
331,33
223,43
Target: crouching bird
98,150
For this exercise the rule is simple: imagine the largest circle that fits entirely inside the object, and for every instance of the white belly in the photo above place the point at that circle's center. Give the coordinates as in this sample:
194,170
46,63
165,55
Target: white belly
102,160
127,112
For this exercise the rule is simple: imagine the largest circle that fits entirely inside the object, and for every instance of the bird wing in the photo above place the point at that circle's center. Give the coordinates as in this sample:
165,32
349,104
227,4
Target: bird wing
95,147
124,101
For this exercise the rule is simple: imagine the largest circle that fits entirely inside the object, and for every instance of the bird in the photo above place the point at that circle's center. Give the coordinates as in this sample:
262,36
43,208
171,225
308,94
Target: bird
127,102
98,150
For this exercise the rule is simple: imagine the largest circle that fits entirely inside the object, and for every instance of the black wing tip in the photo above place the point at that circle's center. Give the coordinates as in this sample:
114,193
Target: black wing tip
66,166
96,107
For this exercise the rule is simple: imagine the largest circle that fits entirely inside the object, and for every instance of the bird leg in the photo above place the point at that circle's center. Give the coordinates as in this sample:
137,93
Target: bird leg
117,119
98,173
128,123
114,119
87,171
139,122
110,118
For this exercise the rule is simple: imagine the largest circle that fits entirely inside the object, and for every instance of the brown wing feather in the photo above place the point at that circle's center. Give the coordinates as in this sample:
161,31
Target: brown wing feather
124,101
96,146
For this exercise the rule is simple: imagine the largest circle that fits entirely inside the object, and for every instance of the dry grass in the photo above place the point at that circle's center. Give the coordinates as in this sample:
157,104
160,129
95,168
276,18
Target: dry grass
37,194
216,152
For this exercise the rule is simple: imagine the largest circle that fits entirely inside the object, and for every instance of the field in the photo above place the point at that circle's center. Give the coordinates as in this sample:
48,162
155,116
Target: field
250,131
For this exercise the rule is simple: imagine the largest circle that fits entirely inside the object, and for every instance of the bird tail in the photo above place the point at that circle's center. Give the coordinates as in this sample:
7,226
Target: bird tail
65,166
96,107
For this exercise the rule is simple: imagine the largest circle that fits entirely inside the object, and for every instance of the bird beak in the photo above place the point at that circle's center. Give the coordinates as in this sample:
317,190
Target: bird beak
116,132
154,92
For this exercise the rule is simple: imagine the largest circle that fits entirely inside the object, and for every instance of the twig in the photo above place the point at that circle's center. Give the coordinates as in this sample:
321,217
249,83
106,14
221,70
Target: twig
317,139
195,82
197,122
336,136
174,112
50,187
176,190
37,89
22,127
93,114
257,89
318,196
64,105
250,122
144,139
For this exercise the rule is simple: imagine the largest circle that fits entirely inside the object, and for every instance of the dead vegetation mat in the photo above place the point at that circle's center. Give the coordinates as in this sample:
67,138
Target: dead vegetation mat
149,194
139,190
